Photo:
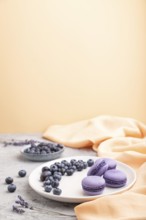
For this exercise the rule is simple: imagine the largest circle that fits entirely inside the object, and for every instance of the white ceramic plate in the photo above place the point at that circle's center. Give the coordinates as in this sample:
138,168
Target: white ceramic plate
71,185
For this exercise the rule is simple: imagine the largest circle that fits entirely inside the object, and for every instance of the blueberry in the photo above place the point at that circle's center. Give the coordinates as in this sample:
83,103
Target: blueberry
80,161
69,172
57,176
55,149
48,151
66,167
9,180
57,191
48,188
47,183
11,187
50,178
90,162
79,166
43,152
57,164
58,173
62,165
27,150
64,161
85,165
53,168
44,175
55,183
45,169
74,167
47,173
63,171
68,164
73,161
22,173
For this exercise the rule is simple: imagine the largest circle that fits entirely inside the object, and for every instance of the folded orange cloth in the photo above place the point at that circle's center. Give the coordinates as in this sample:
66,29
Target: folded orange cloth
121,138
93,131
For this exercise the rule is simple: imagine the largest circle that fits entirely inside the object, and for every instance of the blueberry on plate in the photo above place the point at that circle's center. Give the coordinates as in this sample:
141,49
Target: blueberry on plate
47,183
57,191
50,178
69,172
22,173
55,183
11,187
57,176
9,180
85,165
45,174
48,188
45,168
53,168
90,162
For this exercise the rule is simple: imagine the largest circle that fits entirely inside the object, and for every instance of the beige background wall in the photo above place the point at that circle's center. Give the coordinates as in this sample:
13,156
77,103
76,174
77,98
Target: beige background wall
67,60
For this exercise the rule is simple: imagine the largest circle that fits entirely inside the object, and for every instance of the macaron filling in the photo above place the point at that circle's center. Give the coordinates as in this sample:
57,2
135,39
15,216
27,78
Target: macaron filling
96,170
87,188
115,182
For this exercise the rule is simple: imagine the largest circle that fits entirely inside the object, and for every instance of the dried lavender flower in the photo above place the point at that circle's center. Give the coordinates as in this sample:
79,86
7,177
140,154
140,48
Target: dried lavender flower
17,210
19,142
23,203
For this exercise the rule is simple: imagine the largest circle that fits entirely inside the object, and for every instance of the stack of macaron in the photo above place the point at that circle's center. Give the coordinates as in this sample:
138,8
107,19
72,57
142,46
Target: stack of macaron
103,174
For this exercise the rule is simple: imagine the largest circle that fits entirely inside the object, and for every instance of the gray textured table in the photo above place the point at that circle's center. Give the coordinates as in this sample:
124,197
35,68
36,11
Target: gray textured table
11,162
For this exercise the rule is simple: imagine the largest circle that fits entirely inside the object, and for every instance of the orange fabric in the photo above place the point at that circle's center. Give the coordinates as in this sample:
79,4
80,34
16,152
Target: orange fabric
93,131
121,138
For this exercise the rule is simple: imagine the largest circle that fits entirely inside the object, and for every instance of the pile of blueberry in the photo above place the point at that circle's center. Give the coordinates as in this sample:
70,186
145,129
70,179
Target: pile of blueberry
51,176
43,148
9,180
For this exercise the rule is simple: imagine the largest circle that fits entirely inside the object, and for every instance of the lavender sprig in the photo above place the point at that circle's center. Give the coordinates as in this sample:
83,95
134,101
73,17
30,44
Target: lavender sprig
22,204
20,142
17,210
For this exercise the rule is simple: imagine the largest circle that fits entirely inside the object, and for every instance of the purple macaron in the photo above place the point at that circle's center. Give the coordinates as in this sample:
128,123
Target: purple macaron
98,169
93,185
111,163
115,178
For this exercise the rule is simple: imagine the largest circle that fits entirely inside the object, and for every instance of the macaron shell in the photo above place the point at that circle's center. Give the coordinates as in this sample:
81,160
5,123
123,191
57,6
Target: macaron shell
98,169
111,163
115,178
89,193
93,185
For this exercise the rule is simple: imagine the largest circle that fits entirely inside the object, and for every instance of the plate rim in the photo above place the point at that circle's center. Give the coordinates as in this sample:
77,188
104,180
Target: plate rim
78,199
